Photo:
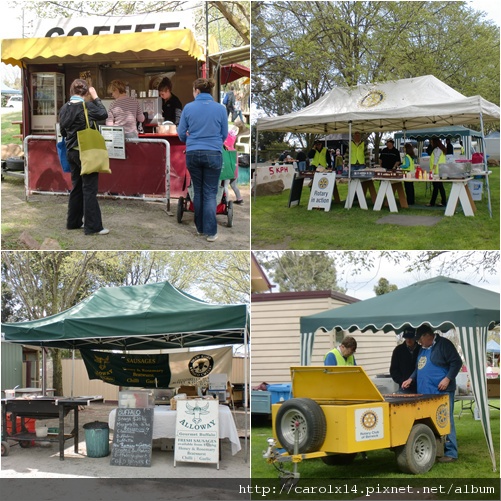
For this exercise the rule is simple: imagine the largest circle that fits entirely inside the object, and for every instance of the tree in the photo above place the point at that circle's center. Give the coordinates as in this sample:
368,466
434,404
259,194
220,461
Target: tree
367,42
479,264
300,271
39,284
383,287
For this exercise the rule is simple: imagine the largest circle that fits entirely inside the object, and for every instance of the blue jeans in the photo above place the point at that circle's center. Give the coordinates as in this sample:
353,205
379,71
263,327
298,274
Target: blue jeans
301,166
451,442
205,167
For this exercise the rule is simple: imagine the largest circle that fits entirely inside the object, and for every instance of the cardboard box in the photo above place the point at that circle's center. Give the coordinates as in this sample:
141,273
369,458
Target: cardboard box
493,388
191,391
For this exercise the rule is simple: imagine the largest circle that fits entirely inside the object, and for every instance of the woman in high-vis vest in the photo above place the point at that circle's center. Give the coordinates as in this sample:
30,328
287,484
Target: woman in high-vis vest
437,157
344,354
408,166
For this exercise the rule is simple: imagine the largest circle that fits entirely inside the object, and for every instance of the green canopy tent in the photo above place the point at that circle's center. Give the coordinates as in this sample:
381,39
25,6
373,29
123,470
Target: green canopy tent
442,302
141,317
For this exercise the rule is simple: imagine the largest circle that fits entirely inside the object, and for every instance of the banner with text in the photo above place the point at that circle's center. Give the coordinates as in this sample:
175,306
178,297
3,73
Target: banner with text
268,173
112,25
194,367
147,371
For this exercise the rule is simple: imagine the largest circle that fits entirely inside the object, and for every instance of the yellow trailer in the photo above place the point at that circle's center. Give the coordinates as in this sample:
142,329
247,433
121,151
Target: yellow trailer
338,412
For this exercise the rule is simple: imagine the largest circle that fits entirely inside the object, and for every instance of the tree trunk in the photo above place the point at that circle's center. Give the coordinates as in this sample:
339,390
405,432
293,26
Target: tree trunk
57,372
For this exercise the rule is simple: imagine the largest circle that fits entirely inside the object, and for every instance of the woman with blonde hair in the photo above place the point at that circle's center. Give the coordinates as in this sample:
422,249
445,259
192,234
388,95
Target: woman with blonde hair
125,110
204,128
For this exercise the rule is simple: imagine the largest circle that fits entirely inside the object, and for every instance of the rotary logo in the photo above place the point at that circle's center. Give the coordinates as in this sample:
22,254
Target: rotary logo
373,98
369,420
201,365
323,183
421,363
442,415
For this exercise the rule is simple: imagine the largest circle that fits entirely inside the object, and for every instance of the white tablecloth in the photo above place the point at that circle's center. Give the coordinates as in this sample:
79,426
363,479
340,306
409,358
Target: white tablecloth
164,424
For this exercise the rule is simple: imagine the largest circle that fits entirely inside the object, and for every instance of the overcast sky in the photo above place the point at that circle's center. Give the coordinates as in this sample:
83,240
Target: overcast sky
362,286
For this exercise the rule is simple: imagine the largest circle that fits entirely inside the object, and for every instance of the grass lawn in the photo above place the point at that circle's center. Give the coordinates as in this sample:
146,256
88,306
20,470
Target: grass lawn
276,226
8,130
380,467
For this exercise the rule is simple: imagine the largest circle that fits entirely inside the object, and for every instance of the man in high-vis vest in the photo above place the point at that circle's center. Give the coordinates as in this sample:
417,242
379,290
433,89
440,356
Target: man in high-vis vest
321,157
358,154
344,354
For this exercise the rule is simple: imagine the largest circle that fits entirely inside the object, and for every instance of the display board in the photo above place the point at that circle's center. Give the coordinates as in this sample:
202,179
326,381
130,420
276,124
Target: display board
132,437
197,431
115,140
296,190
322,189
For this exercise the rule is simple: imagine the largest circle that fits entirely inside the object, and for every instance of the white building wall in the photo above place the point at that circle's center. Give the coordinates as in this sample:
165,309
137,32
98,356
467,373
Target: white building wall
275,339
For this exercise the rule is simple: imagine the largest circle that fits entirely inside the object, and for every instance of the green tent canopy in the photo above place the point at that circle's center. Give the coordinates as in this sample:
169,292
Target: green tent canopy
443,303
142,317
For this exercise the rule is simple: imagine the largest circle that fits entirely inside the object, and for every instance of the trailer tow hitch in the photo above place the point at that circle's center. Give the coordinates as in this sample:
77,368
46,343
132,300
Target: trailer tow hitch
272,455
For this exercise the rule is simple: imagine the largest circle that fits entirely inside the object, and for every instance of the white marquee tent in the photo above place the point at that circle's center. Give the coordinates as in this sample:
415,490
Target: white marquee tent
412,103
397,105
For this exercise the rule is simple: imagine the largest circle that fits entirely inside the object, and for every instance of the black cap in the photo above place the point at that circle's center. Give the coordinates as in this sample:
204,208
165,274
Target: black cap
409,333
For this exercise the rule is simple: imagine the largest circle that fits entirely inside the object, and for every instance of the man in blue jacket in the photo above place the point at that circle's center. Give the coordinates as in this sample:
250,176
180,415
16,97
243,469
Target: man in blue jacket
438,365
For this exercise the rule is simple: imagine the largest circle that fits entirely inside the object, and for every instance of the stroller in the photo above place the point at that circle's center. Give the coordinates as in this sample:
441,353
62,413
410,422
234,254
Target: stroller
224,206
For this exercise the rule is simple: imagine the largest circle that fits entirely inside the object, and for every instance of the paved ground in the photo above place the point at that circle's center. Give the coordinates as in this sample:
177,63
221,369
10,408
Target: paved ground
39,462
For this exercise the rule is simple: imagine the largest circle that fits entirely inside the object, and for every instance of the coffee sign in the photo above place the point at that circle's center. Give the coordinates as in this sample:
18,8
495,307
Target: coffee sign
102,25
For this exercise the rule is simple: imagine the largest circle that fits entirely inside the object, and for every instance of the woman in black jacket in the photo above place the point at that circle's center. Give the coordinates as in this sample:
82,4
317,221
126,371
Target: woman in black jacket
83,207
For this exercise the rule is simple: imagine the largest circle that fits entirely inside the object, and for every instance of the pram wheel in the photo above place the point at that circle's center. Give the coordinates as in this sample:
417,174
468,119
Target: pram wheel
5,448
229,224
180,209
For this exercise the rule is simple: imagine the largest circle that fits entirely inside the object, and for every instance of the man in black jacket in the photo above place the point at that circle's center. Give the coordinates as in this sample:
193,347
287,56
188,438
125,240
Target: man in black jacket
390,156
403,361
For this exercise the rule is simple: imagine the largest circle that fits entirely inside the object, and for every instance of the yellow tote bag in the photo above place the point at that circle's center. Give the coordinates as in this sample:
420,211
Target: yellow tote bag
93,153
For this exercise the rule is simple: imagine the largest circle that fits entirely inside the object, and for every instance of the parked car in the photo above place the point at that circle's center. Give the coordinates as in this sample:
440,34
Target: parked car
15,102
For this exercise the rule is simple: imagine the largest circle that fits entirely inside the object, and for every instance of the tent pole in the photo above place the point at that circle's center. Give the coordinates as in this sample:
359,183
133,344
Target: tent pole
487,186
44,372
349,150
72,371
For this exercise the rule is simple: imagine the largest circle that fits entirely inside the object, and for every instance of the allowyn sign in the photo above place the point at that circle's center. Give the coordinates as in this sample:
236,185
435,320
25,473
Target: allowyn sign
113,25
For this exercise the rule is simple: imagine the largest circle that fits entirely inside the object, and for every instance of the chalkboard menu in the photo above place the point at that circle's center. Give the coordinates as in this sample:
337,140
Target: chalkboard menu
296,189
132,437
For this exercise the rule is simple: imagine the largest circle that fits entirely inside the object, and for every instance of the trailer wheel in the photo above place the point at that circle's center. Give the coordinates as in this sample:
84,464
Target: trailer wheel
5,449
339,459
418,454
180,209
306,415
25,444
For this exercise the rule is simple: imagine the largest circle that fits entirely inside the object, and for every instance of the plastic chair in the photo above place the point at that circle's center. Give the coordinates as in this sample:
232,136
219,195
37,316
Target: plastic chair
243,144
